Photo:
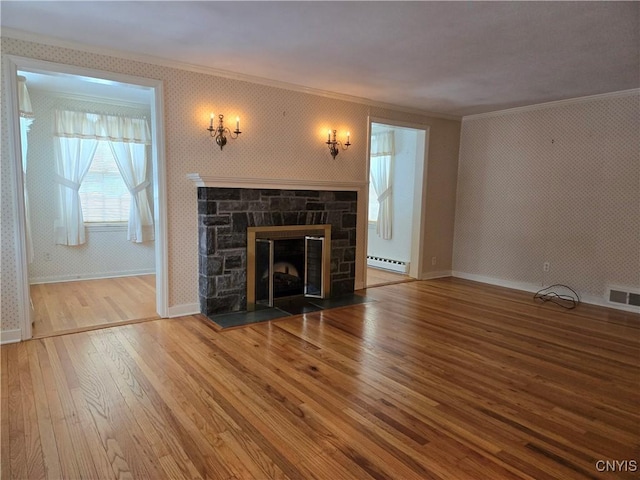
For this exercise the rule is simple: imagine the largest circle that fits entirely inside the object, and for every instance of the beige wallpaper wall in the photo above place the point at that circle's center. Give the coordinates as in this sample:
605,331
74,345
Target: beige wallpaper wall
283,137
558,184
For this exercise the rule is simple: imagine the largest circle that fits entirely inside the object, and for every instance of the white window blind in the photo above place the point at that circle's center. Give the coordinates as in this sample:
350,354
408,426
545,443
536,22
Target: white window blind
103,193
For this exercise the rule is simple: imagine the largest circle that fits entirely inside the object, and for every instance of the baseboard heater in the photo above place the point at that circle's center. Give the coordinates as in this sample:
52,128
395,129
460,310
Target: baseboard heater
388,264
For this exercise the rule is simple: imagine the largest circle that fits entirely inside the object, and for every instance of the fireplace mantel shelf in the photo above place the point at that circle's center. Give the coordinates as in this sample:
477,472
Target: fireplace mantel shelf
285,184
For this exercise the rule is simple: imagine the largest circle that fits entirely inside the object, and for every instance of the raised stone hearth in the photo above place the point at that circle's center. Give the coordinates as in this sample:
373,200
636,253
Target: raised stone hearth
224,215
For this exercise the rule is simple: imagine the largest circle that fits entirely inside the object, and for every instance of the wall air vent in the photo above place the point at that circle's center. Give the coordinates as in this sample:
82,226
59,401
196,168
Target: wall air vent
618,296
623,296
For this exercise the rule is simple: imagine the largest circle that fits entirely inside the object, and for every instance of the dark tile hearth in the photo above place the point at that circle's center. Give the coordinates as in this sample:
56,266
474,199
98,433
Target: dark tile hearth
238,319
285,308
224,215
341,301
297,305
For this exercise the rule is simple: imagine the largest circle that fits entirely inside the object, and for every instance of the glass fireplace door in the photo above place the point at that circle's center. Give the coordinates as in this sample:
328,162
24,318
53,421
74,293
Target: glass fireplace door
314,262
264,272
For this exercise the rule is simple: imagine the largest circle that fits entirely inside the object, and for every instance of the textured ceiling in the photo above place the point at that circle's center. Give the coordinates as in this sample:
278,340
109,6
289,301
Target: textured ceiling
455,58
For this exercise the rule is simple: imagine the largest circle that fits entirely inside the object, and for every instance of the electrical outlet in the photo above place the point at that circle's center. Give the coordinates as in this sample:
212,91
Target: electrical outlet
545,266
434,260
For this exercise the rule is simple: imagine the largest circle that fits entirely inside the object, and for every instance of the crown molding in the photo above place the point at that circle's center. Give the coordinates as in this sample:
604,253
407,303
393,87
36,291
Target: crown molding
164,62
556,103
92,99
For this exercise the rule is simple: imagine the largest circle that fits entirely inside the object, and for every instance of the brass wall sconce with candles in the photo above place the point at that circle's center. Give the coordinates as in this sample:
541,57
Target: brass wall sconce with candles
333,143
219,132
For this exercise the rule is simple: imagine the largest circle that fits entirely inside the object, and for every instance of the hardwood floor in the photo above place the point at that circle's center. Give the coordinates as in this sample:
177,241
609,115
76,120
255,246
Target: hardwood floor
439,379
74,306
378,276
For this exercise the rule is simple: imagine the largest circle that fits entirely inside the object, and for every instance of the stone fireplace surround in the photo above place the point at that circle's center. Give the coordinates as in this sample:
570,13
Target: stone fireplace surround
224,215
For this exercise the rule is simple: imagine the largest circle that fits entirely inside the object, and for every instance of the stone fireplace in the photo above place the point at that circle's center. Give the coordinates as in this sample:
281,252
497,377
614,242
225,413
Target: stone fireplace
225,216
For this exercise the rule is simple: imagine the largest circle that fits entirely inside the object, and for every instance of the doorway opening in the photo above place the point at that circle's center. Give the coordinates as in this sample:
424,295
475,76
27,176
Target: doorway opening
108,267
397,160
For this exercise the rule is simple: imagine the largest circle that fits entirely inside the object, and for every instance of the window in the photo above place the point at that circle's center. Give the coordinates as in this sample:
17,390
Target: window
374,205
103,194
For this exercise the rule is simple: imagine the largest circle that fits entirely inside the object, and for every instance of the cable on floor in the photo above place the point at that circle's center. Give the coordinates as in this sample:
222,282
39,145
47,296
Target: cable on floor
558,294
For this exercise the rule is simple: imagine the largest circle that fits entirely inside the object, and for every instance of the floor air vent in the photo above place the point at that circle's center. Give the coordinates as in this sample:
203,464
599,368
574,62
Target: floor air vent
388,264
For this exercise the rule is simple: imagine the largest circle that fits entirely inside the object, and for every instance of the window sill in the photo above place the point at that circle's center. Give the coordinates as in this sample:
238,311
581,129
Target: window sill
106,227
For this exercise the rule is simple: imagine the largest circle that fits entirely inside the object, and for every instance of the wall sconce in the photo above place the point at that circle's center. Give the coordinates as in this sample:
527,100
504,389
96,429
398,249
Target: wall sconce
333,144
219,132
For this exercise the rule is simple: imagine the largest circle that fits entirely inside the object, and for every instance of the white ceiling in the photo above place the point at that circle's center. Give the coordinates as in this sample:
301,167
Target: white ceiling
454,58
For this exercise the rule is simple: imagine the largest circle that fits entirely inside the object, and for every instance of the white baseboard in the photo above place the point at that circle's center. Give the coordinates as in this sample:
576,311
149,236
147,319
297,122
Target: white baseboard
527,287
533,288
90,276
10,336
432,275
183,310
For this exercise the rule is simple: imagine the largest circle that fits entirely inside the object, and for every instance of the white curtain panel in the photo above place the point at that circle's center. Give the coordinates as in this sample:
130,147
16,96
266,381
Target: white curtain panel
382,154
128,139
75,144
132,163
26,119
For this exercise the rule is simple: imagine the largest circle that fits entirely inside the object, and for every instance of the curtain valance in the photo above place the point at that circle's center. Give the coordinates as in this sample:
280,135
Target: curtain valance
24,101
114,128
382,144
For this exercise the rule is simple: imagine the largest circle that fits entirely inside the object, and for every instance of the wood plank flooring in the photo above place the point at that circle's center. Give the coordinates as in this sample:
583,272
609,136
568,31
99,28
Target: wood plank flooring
378,276
439,379
86,304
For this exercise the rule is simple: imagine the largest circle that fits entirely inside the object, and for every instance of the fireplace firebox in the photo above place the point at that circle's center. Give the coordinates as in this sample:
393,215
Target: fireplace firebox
287,261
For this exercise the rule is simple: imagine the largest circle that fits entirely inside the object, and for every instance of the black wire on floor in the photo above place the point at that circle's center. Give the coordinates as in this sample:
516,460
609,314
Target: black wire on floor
565,300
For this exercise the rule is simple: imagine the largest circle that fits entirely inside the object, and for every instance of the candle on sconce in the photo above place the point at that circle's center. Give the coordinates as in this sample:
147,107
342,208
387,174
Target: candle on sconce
237,123
328,136
348,137
211,122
